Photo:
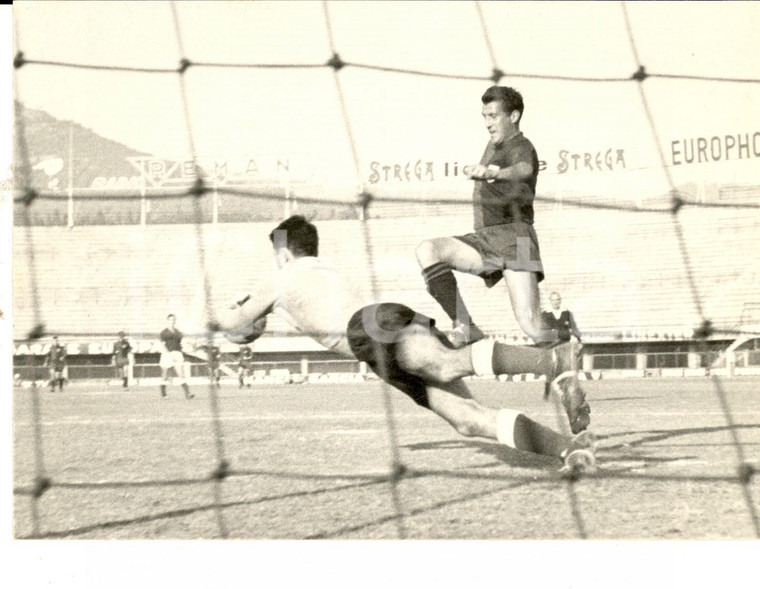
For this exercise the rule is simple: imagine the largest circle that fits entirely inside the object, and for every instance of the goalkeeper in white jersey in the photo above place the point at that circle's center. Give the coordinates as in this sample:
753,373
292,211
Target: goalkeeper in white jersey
406,350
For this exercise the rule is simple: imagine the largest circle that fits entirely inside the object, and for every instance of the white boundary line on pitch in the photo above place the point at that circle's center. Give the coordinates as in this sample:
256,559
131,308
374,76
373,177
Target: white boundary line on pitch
204,419
317,416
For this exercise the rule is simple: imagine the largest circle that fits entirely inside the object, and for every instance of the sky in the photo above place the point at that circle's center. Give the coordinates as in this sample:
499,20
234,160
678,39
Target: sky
579,128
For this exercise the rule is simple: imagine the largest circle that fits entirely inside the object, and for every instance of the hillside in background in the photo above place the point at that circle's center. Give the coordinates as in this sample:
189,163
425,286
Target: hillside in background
64,153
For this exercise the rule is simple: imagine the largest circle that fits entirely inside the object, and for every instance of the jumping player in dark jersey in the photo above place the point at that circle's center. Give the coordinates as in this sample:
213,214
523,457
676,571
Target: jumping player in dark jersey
504,243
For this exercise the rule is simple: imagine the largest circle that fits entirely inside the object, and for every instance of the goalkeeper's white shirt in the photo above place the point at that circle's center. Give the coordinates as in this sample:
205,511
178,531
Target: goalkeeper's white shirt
313,298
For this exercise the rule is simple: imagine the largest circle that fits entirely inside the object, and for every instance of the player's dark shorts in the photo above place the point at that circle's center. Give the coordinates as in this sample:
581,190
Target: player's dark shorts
57,367
512,246
380,352
121,362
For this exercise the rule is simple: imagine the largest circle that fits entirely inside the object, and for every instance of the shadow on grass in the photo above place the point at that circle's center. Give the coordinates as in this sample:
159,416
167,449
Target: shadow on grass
497,453
638,452
502,454
413,512
630,398
648,436
174,513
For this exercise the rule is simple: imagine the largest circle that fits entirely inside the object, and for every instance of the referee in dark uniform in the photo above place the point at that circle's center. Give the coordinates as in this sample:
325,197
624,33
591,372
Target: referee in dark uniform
560,321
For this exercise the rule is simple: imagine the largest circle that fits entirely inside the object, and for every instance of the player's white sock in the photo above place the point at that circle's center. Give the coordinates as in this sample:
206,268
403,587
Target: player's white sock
482,357
516,430
505,426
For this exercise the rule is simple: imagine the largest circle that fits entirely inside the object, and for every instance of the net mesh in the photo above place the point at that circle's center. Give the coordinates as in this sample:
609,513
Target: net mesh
27,196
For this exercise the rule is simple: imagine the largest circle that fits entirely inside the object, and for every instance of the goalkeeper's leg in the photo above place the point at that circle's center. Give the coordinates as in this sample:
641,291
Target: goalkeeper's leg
454,403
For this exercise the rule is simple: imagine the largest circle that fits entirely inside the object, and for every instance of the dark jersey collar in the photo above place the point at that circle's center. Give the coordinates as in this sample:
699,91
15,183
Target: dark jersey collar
507,140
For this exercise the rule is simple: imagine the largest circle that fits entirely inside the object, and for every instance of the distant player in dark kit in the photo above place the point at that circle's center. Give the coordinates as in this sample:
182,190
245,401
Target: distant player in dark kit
56,362
406,349
172,357
214,360
122,354
245,367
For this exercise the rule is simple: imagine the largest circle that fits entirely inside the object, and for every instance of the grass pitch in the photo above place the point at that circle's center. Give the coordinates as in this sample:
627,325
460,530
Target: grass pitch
312,461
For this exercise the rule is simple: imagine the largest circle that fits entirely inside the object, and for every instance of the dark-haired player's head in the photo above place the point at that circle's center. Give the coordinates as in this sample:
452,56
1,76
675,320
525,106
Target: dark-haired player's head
121,334
509,98
171,319
502,111
295,237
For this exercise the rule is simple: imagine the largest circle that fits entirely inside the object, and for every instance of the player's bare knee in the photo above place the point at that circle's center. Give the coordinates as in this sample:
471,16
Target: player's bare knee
419,364
428,252
446,369
421,354
412,357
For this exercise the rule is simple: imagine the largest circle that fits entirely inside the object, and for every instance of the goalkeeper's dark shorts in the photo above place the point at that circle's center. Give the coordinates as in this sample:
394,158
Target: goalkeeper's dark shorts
373,332
511,246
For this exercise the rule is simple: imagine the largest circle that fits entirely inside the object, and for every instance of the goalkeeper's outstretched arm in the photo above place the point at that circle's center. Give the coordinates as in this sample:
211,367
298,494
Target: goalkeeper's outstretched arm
247,308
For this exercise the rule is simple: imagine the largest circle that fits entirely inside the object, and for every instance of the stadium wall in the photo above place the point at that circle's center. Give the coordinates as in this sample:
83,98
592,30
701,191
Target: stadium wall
91,362
622,274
